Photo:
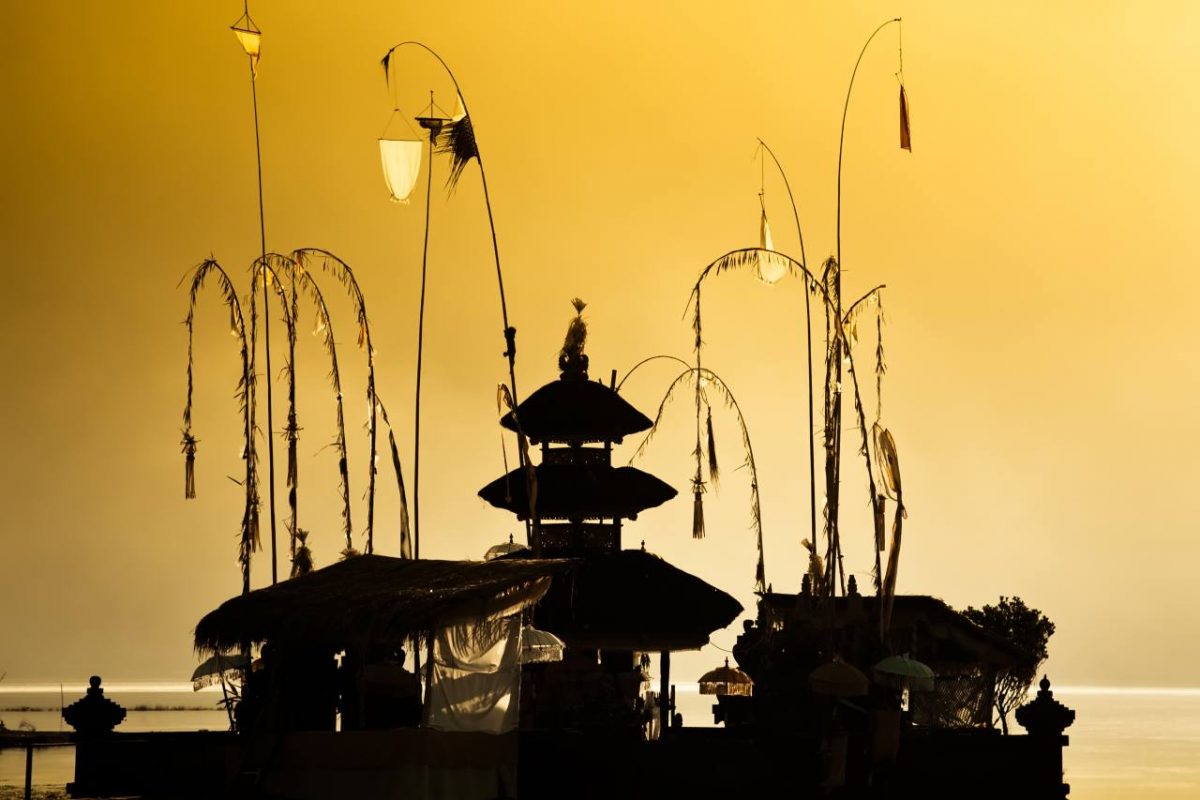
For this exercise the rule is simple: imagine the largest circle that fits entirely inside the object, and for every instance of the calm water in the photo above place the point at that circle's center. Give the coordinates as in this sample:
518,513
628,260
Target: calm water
1126,744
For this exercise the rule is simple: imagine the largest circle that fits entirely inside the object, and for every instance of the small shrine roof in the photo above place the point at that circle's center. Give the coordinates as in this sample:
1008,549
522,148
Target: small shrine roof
575,409
579,491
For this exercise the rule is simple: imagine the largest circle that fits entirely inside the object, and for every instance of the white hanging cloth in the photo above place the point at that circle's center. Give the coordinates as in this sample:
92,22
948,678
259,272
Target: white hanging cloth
477,676
401,166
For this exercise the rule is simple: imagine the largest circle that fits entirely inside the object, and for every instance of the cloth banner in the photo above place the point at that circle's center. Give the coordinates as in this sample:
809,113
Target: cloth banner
476,676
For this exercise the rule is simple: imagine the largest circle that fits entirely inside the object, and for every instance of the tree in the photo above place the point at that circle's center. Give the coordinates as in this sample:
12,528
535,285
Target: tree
1027,628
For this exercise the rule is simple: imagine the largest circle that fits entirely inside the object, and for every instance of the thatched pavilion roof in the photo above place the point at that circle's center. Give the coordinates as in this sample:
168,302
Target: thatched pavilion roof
580,491
629,599
633,600
576,410
372,598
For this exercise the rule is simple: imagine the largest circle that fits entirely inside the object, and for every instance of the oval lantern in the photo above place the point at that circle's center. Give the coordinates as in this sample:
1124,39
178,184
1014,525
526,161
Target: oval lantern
401,165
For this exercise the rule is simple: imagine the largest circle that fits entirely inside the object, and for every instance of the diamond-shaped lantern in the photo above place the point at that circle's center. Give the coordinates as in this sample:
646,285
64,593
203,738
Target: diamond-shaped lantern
248,34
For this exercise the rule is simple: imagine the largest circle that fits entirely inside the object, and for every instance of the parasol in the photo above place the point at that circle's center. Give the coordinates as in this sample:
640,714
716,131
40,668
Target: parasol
496,551
903,672
214,668
839,679
540,646
726,680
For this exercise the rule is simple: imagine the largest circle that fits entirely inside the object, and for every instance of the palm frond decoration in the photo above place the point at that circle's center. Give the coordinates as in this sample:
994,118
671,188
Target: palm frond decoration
324,329
267,269
748,258
880,363
248,540
714,471
302,560
189,462
406,549
816,567
716,384
341,271
886,451
457,139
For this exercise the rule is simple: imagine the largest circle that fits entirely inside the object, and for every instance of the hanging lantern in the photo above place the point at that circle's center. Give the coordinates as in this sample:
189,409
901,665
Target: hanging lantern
726,681
249,36
401,165
770,267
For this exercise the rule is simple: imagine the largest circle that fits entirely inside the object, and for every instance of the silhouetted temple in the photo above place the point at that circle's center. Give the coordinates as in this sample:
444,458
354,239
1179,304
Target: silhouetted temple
534,678
576,421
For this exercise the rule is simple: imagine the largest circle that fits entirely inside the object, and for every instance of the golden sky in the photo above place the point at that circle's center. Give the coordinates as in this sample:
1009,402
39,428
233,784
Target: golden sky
1039,245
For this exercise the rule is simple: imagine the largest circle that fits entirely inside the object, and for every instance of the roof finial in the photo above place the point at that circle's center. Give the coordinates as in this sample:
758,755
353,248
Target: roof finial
571,359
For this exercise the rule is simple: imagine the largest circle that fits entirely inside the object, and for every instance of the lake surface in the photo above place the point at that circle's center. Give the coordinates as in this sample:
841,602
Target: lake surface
1126,744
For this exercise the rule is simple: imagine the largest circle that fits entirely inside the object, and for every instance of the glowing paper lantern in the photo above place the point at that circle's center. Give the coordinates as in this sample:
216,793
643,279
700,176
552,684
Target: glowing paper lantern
770,266
401,165
250,40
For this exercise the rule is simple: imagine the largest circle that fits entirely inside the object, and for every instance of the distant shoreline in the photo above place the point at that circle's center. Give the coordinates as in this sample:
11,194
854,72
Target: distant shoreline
142,707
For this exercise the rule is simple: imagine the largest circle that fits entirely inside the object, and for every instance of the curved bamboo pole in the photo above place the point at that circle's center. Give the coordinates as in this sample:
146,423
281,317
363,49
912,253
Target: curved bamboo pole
325,329
837,401
345,275
714,380
509,332
264,269
249,539
812,458
827,290
647,360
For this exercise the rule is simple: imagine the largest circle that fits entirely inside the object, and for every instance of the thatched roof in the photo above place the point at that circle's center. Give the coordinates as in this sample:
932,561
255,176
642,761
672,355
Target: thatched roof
372,598
633,600
580,491
942,634
576,410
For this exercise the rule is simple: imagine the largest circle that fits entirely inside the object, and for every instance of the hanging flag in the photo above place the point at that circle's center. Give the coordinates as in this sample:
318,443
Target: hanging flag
905,135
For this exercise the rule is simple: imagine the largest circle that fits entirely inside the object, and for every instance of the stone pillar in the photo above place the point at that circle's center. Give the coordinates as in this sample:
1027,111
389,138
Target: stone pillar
1045,719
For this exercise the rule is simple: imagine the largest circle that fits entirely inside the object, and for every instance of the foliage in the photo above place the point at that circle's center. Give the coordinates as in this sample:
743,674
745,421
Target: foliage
1027,628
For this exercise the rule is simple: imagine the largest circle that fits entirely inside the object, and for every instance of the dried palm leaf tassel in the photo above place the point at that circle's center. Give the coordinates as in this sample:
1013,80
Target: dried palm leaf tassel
698,509
189,466
302,563
893,566
406,548
880,363
345,476
714,472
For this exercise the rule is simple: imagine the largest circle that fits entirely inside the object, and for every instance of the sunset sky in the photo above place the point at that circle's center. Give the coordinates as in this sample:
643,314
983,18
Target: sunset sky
1039,244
